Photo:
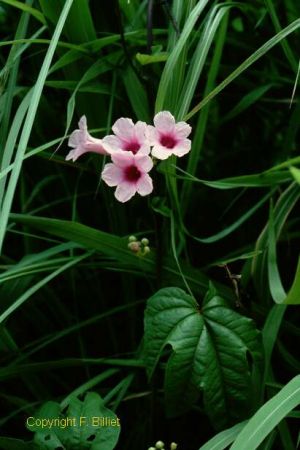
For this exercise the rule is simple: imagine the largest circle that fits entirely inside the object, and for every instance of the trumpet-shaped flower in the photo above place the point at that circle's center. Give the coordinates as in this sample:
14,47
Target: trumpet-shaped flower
127,136
129,172
82,142
168,137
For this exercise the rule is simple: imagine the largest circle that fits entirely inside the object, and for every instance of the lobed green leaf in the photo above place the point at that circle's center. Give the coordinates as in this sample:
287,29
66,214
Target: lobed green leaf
211,346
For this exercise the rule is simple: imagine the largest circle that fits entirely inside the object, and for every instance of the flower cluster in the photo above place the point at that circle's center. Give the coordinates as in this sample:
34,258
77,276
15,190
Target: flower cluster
161,446
132,148
141,247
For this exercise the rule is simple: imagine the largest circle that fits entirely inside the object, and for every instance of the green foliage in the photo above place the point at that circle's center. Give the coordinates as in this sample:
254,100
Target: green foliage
14,444
268,416
251,433
32,109
85,434
212,347
223,439
116,247
73,294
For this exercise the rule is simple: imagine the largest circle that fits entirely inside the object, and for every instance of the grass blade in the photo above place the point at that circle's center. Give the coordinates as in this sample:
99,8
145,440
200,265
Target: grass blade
228,230
225,438
268,416
175,55
26,8
116,247
39,285
245,65
36,95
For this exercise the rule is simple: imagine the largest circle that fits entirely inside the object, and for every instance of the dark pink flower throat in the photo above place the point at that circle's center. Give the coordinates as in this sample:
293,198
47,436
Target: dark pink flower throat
168,141
132,173
133,147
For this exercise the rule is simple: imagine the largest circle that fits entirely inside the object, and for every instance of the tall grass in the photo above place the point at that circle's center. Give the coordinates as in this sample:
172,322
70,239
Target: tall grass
223,220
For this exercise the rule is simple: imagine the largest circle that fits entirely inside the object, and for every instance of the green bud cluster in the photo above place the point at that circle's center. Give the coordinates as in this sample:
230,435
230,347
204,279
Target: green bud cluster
161,446
141,248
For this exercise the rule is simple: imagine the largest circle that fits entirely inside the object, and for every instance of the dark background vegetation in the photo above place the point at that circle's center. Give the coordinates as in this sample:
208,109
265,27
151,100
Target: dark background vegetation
256,137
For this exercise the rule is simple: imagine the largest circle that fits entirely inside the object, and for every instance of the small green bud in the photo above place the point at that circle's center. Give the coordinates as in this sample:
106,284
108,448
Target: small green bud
132,238
146,250
151,448
134,246
159,445
145,241
173,446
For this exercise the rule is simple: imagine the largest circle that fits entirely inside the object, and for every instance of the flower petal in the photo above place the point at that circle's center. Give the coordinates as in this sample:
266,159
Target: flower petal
143,162
125,191
182,148
112,143
144,185
160,152
144,150
182,130
164,121
122,159
76,138
82,123
76,153
140,129
123,128
71,156
112,175
152,135
95,145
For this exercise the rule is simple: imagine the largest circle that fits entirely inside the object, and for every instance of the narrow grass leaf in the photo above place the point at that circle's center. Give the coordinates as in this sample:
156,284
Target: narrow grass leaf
247,101
48,340
295,173
175,55
270,334
275,284
116,247
11,141
282,209
11,70
264,179
17,371
30,41
26,8
200,57
284,44
200,129
33,289
136,94
228,230
268,416
36,95
245,65
293,297
223,439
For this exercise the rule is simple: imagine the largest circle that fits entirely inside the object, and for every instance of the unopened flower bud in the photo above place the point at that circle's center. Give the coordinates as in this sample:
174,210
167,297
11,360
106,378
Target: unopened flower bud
145,241
151,448
132,238
173,446
134,246
146,250
159,445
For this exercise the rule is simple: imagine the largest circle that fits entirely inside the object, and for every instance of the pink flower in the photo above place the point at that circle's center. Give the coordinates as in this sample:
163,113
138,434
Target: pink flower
167,137
127,136
82,142
129,172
